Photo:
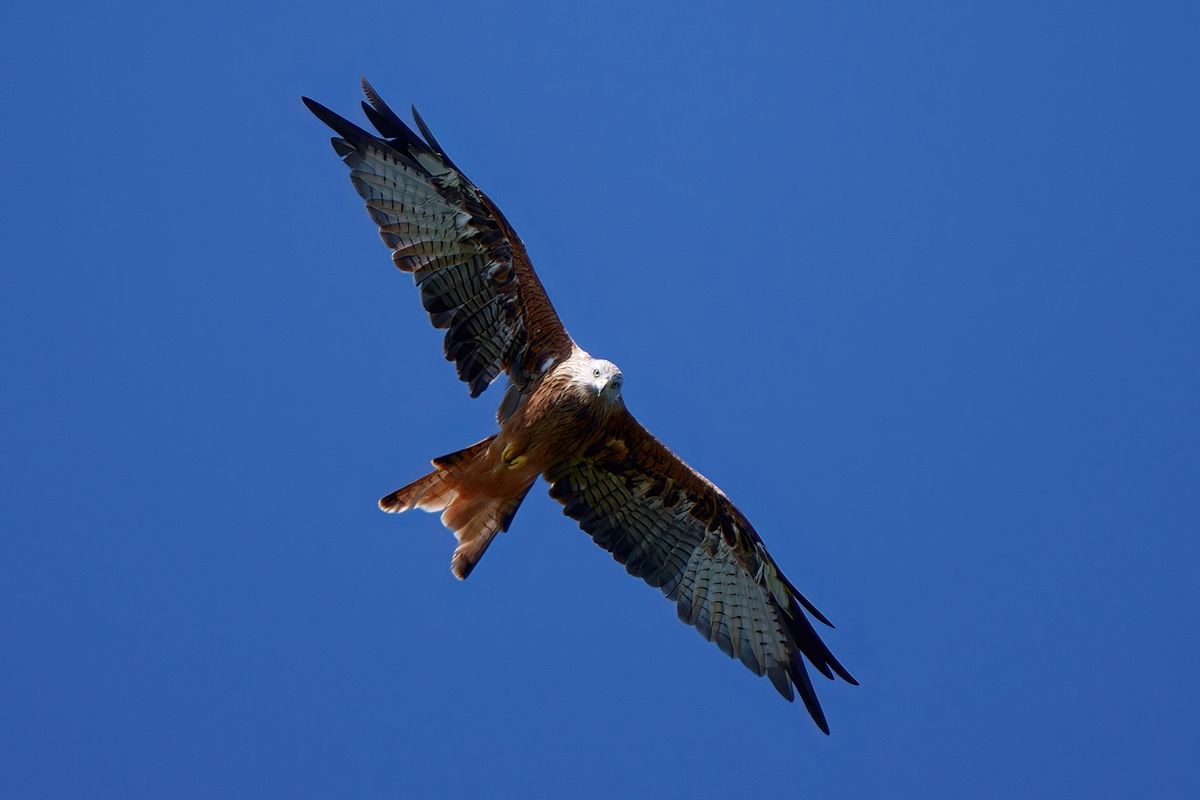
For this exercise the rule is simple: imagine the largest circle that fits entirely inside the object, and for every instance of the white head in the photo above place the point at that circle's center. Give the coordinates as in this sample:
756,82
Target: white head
602,378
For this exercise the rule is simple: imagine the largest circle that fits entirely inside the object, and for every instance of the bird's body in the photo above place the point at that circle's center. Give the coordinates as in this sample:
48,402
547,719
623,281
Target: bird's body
479,489
563,417
565,410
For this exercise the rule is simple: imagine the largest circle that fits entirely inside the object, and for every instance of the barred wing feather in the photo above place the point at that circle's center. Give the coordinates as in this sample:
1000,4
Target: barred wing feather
677,531
475,277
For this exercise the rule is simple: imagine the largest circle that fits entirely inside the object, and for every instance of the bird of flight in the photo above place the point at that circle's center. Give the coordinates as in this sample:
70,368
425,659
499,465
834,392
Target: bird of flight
563,417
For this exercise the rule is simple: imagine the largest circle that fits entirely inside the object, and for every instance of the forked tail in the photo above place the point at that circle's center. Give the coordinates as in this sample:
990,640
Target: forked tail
474,515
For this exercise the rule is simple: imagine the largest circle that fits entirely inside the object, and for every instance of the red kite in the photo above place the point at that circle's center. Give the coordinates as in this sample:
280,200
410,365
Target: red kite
563,417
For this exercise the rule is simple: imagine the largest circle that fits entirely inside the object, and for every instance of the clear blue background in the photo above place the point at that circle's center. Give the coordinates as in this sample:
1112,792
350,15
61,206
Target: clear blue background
916,286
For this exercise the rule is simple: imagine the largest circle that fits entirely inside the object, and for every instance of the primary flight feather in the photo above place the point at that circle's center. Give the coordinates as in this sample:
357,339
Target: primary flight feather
563,417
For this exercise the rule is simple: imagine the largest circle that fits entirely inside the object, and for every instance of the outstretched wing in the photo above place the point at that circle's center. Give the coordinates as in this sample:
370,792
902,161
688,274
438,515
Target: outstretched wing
677,531
475,277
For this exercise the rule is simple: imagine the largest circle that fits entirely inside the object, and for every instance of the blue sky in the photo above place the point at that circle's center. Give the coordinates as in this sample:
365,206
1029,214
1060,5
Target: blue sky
917,287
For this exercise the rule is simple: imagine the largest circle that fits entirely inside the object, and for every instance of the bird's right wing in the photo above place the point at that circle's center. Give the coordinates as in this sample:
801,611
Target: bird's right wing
674,529
475,277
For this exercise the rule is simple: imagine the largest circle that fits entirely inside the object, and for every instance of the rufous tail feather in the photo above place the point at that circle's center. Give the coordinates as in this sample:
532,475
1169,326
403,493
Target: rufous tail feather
475,517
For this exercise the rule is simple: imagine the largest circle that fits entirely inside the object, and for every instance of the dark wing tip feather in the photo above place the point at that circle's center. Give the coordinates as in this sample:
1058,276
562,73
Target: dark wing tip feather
841,671
344,127
810,608
807,693
370,92
429,137
814,649
804,601
387,121
379,108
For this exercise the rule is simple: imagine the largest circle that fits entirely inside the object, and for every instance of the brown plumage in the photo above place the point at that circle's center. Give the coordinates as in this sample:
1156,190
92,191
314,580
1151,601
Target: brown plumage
563,417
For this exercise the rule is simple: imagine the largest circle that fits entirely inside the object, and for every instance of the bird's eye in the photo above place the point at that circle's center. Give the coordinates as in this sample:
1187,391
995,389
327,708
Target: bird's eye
595,373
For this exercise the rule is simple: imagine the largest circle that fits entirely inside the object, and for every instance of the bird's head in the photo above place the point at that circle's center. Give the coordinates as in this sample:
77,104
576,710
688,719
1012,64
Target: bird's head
602,378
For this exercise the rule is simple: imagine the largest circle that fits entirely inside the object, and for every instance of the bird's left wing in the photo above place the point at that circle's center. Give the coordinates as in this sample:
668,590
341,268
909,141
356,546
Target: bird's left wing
475,277
674,529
